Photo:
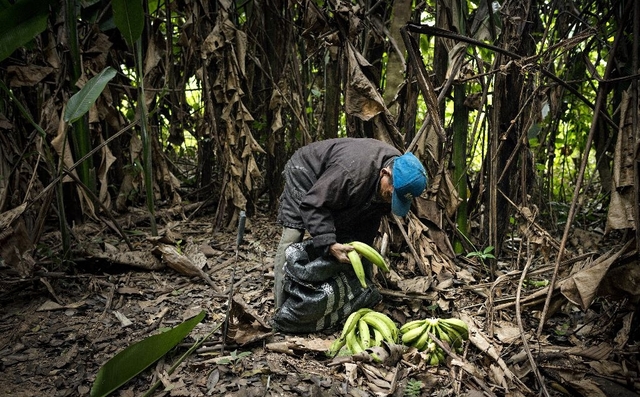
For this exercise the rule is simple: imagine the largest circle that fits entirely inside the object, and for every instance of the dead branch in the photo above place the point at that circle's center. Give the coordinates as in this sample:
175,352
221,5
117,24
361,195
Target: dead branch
523,334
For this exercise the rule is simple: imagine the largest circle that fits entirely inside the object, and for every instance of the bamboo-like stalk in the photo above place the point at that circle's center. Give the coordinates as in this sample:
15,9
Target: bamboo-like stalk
81,139
147,150
459,157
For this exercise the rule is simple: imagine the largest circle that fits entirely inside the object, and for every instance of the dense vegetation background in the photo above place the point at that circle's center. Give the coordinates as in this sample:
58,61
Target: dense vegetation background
131,132
525,112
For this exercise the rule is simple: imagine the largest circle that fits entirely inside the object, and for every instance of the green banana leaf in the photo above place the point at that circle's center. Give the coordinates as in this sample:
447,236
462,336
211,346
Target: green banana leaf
81,101
128,16
137,357
20,23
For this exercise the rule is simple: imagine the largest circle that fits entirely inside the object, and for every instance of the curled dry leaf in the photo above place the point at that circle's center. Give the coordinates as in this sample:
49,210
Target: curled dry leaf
140,259
177,261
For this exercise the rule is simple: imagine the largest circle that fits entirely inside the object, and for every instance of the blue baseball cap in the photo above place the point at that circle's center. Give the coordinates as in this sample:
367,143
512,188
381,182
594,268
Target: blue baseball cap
409,181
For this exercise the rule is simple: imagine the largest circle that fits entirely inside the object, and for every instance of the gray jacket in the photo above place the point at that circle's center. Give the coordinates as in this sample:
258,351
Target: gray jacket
332,190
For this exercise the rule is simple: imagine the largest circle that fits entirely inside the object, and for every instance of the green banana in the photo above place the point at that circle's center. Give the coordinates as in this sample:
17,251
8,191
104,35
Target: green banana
364,333
356,263
412,335
424,340
347,328
430,346
458,325
382,322
454,336
371,254
406,327
436,356
353,344
335,347
352,321
389,322
377,337
365,328
375,323
451,331
442,335
433,359
440,354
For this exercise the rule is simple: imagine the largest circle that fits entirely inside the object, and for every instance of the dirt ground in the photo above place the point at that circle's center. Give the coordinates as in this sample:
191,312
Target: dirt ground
59,326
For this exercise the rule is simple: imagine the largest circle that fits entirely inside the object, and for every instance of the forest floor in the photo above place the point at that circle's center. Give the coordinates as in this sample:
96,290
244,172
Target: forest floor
58,327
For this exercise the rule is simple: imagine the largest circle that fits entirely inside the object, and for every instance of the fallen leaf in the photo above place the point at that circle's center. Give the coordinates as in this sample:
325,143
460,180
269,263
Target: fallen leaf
587,387
600,352
506,332
128,291
50,305
124,321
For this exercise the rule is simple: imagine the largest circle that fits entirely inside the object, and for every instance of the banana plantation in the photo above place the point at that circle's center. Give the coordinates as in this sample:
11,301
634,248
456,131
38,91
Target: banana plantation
142,146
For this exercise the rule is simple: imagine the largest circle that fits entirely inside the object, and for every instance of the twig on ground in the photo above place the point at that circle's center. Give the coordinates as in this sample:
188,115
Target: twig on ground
523,335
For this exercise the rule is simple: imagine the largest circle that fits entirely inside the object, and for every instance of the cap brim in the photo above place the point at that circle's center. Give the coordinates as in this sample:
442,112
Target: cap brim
399,205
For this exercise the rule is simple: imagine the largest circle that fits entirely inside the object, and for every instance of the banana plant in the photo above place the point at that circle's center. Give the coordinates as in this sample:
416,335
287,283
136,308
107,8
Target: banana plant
20,23
128,17
81,137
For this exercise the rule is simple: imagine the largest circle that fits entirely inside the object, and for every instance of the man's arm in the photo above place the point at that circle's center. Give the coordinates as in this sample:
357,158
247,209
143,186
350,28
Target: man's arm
332,191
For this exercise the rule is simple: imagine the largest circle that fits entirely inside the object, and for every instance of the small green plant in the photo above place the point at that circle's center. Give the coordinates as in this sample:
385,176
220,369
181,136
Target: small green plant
482,255
413,388
234,357
234,361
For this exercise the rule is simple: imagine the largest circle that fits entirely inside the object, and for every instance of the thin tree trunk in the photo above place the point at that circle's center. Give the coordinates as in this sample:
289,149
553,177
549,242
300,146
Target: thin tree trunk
333,93
460,130
509,89
396,64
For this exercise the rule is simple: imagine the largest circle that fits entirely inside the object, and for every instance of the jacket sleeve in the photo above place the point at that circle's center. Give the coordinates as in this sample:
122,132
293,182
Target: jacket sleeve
332,191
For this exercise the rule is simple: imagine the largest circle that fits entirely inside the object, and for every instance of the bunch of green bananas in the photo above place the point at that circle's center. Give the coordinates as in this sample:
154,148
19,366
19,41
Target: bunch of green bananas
363,329
365,250
453,331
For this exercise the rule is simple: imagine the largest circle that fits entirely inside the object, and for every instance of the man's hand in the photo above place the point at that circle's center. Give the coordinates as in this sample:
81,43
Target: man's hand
339,251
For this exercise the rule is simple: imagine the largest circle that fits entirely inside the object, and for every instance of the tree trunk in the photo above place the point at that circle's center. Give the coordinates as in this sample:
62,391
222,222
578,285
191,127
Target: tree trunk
507,126
395,70
460,131
333,93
